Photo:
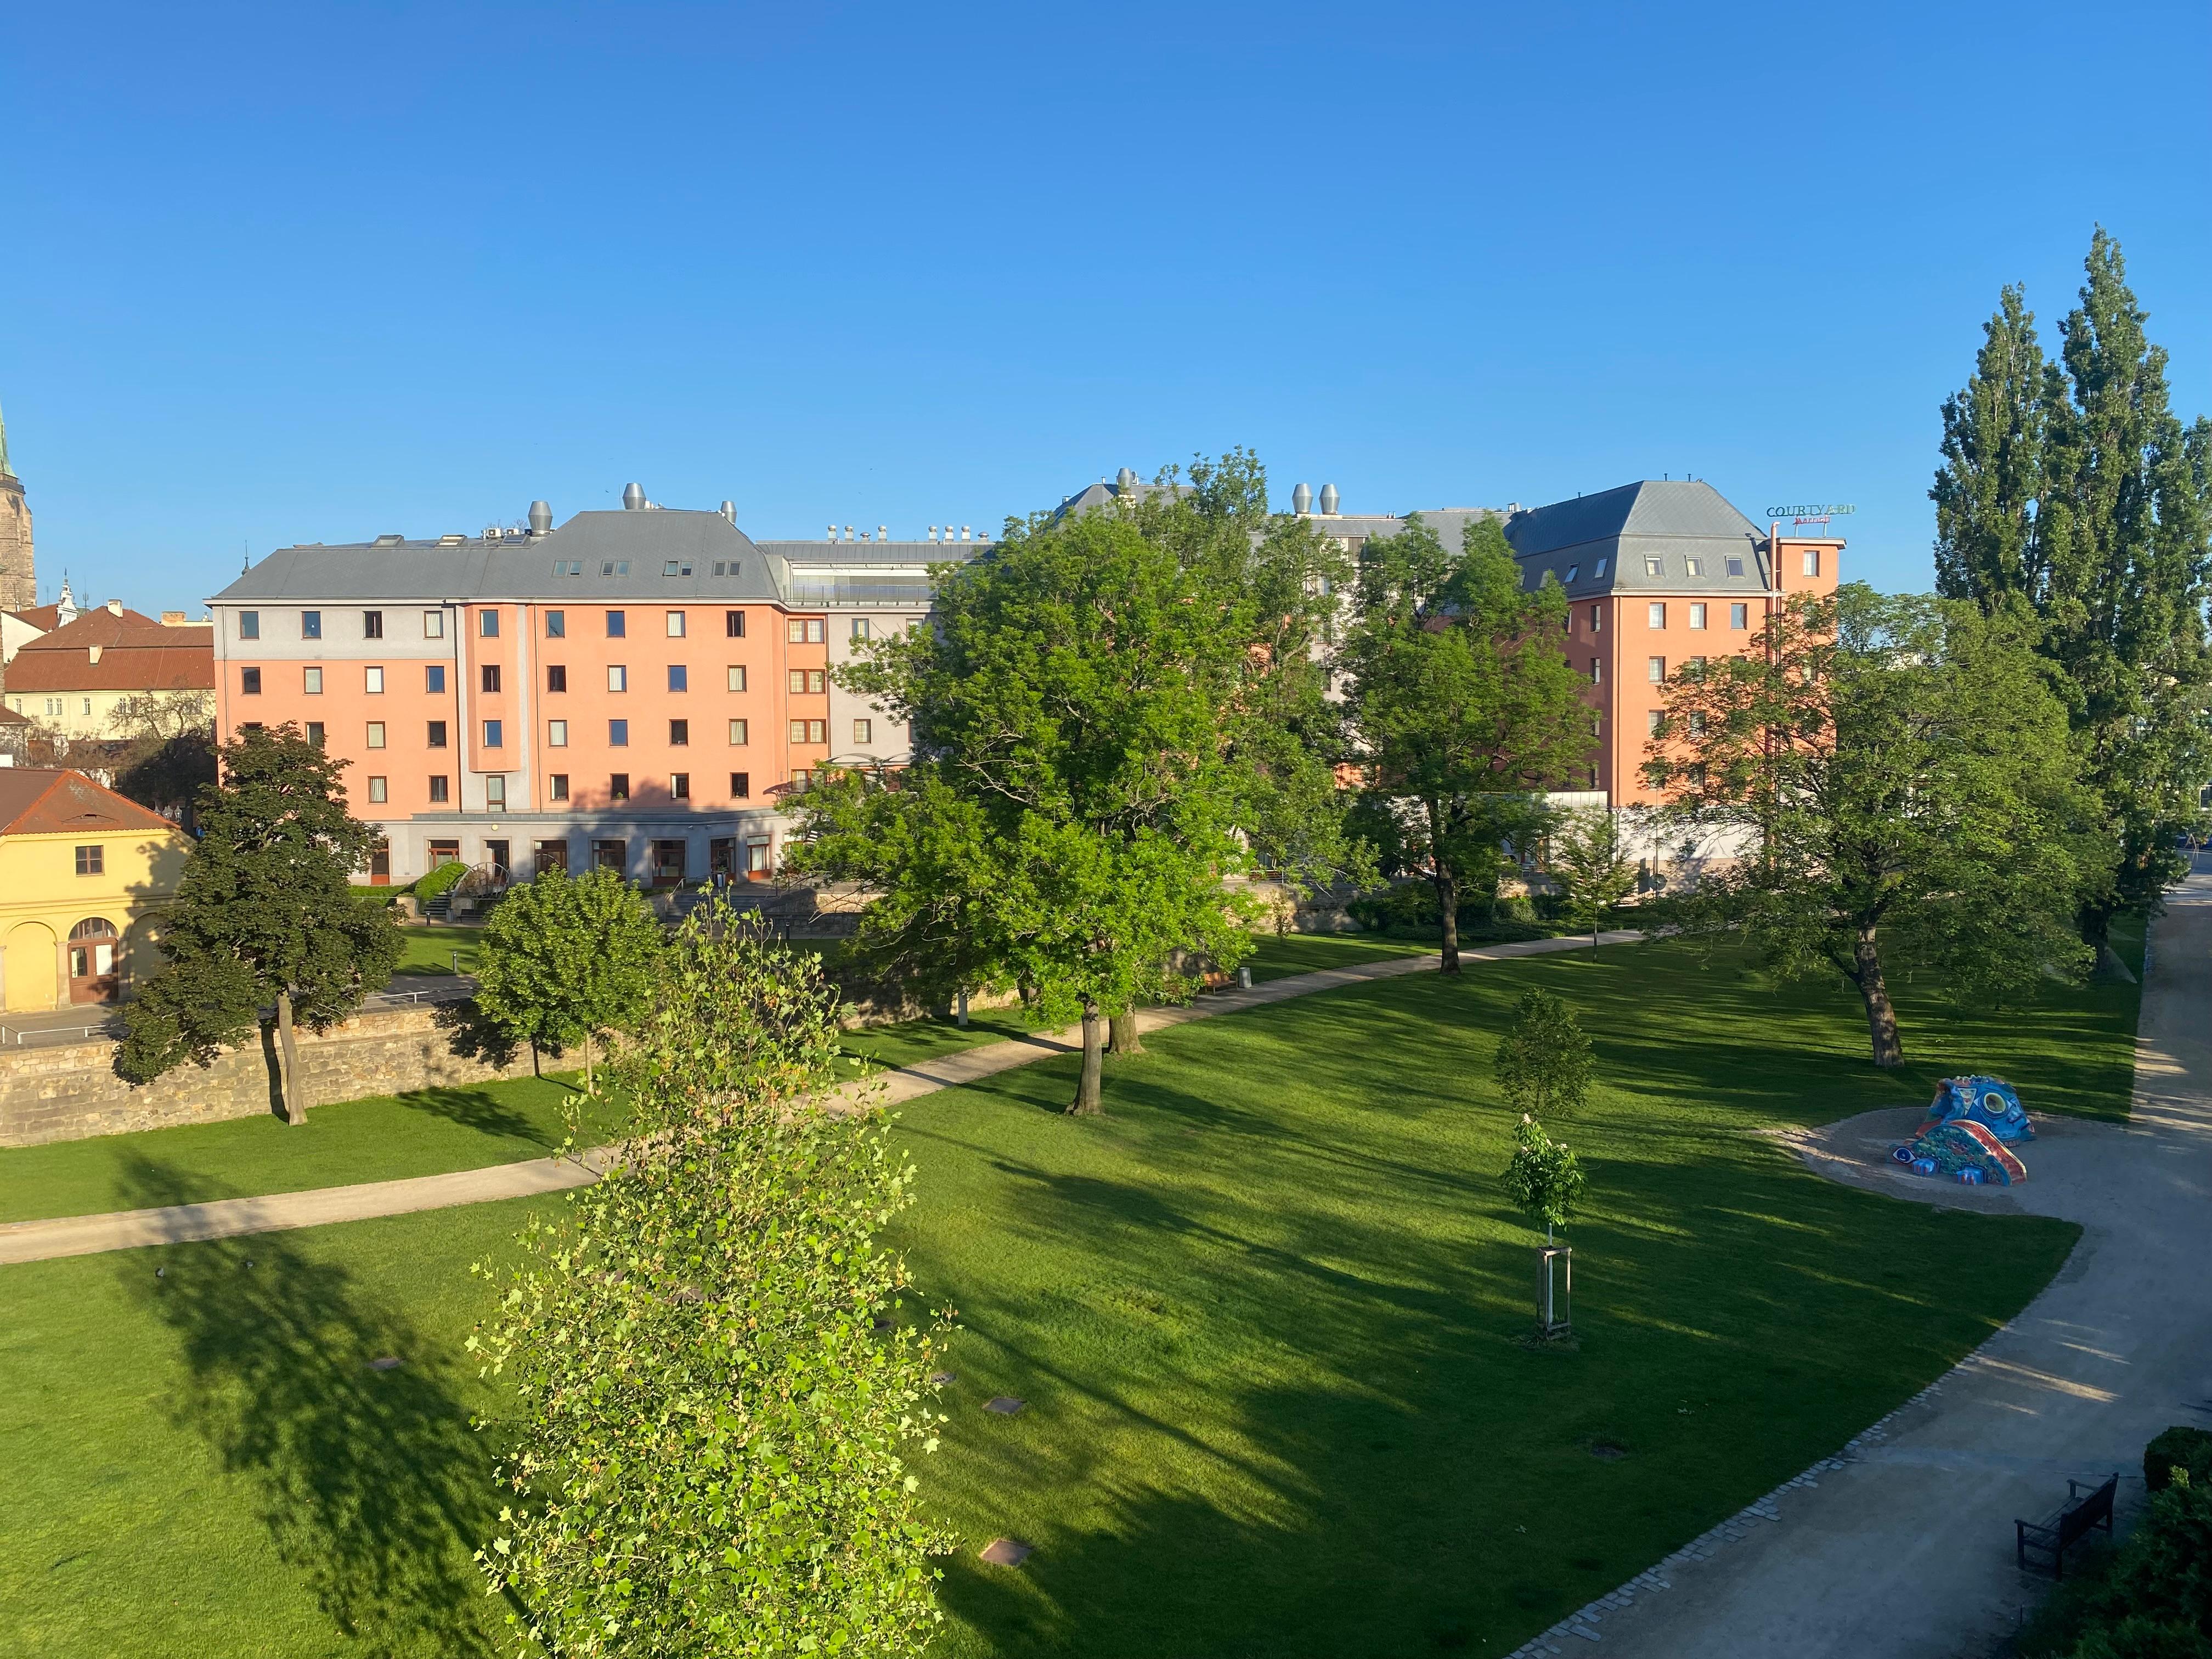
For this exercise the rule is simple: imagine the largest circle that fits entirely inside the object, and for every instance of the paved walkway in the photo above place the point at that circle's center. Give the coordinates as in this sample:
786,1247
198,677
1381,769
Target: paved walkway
88,1235
1902,1546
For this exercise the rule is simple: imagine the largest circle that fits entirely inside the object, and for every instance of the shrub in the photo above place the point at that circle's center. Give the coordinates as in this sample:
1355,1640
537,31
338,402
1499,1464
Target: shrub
2178,1447
441,880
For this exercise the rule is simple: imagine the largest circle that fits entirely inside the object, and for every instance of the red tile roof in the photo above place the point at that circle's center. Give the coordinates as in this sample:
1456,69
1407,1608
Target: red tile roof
136,653
44,617
40,800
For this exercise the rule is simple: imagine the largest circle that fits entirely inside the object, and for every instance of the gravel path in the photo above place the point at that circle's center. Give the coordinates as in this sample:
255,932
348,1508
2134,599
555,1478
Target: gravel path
88,1235
1901,1545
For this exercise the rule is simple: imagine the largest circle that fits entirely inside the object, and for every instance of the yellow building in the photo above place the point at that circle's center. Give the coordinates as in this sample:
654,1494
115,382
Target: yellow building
83,874
110,672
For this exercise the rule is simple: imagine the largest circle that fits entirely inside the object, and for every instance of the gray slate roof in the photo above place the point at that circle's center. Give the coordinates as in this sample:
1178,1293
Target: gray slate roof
1608,540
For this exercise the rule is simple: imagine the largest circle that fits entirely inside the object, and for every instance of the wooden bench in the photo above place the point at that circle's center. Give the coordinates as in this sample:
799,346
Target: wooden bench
2086,1509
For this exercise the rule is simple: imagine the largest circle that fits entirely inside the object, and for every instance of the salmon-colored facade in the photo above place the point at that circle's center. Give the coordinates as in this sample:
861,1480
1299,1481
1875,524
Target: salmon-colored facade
640,689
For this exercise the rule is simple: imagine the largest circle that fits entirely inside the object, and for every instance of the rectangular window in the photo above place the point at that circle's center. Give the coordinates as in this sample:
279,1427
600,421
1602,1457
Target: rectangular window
806,630
1597,670
741,785
310,624
494,735
91,861
373,681
1655,669
798,682
376,734
1696,616
1597,617
610,856
680,785
617,678
556,624
249,683
737,732
795,631
311,681
733,624
557,785
1812,561
490,677
1697,723
1693,566
1655,615
315,732
679,734
371,624
799,731
814,626
1653,718
249,624
433,679
860,628
557,734
618,733
817,680
618,624
679,677
488,624
862,731
434,624
1653,566
816,732
495,795
737,678
378,794
1734,567
675,624
618,787
438,783
435,737
756,857
556,677
1739,616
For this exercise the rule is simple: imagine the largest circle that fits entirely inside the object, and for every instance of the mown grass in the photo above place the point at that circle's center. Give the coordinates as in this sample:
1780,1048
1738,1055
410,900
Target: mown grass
1264,1314
434,947
382,1138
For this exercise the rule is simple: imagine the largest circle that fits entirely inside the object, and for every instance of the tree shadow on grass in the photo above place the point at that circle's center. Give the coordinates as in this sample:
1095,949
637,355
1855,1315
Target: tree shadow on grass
481,1110
370,1485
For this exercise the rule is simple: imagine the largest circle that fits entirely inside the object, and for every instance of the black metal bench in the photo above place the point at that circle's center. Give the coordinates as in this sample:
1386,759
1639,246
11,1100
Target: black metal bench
2086,1509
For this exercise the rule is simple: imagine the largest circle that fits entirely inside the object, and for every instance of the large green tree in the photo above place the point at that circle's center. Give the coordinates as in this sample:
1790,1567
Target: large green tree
1114,716
566,958
1886,783
1462,706
265,914
709,1416
2072,486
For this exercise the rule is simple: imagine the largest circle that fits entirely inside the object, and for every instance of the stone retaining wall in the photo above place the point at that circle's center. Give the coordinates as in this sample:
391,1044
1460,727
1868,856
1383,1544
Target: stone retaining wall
70,1090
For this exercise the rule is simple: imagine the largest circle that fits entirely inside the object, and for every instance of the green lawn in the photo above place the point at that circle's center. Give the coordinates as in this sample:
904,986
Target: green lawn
429,949
1264,1315
383,1138
1280,956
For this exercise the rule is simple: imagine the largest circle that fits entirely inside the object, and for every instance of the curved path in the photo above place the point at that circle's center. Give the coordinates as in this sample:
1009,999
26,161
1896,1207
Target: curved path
88,1234
1902,1547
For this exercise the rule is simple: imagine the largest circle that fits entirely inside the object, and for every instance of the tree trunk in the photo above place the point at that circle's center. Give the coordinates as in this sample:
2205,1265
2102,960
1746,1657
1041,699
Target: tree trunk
2096,934
287,1060
1881,1012
1085,1103
1446,882
588,1088
1126,1040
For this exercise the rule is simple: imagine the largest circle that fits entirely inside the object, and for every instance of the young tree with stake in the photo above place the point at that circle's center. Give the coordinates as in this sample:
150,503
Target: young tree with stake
265,914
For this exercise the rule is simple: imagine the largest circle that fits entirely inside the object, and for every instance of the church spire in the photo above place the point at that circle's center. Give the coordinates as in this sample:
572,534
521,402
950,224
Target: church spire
5,471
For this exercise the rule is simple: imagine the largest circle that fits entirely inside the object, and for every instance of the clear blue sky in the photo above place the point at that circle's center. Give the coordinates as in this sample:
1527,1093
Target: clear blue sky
314,272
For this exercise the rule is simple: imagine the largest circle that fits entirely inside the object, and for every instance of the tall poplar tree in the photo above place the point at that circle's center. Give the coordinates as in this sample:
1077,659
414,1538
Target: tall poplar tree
2073,486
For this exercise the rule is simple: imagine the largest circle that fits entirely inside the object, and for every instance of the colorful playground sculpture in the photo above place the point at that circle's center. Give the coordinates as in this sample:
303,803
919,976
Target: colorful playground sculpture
1969,1124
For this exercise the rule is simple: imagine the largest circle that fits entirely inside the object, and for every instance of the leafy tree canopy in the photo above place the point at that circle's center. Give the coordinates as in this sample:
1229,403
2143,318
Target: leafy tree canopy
708,1441
1463,707
1544,1060
1894,778
1590,860
1543,1178
264,913
566,958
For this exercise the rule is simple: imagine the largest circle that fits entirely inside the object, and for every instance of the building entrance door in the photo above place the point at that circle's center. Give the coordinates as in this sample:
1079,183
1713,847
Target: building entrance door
92,944
379,865
668,868
495,854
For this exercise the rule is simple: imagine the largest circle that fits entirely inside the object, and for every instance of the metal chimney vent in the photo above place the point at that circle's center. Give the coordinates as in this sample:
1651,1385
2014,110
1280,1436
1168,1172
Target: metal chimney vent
1328,499
730,511
1302,499
541,518
633,498
1126,478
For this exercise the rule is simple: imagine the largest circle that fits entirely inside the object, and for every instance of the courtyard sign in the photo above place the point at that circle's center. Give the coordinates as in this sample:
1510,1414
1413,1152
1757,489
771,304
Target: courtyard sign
1812,511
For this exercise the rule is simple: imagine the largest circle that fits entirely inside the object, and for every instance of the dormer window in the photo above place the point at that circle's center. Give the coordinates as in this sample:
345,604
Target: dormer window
676,568
1573,570
1599,572
1735,567
1695,566
1653,566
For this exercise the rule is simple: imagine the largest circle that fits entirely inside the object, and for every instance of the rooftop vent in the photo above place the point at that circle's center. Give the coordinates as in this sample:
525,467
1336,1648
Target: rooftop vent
730,511
1329,501
633,498
849,533
454,540
964,532
392,539
541,518
882,534
1126,478
1302,499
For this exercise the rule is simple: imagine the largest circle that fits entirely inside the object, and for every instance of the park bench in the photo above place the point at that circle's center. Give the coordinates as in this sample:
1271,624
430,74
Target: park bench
2086,1509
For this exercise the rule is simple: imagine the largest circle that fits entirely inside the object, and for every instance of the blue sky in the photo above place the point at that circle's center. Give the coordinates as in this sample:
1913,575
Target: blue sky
317,273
